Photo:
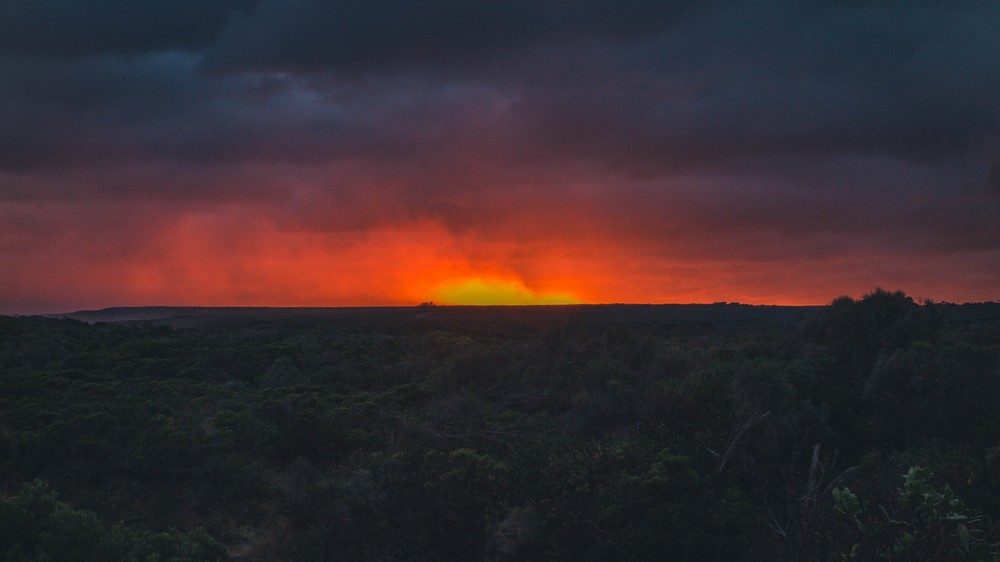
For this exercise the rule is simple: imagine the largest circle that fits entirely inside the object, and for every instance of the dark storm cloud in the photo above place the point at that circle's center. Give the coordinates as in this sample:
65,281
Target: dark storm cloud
359,37
648,88
767,81
107,110
74,28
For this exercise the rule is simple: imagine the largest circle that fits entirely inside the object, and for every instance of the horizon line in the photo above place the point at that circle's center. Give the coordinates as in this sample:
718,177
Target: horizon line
429,304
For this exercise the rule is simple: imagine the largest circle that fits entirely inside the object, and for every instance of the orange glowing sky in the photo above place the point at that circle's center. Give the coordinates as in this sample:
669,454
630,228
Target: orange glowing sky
240,256
318,154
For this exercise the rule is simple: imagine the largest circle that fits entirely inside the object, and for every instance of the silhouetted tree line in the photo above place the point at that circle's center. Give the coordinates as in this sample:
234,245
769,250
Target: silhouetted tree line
868,429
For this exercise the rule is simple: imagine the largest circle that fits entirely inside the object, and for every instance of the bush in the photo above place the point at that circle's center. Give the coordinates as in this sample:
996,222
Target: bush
36,526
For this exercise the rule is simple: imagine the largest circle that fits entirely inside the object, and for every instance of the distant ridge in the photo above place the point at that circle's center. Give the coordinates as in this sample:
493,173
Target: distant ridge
505,320
128,313
143,313
715,313
506,317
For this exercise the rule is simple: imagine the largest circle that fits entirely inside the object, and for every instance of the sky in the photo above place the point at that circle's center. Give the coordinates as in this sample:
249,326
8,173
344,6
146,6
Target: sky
390,152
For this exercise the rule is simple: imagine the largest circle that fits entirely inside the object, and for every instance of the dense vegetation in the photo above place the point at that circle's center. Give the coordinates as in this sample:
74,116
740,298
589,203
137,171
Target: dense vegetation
865,430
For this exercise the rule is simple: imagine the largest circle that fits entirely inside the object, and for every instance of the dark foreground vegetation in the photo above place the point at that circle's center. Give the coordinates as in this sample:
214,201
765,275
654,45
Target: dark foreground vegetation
865,430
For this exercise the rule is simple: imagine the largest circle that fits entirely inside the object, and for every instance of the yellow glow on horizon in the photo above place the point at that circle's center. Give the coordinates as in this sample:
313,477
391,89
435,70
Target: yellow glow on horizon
480,291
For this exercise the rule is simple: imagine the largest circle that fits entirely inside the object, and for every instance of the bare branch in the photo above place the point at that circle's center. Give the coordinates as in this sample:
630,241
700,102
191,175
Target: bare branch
731,449
838,479
816,470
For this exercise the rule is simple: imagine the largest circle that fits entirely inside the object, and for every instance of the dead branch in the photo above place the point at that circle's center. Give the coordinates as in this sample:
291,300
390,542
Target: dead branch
731,449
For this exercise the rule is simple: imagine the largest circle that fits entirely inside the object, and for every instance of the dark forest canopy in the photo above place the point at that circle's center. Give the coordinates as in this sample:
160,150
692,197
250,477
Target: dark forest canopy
862,430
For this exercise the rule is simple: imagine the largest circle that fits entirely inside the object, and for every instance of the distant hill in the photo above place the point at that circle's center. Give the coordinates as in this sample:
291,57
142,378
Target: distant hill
502,319
132,313
489,318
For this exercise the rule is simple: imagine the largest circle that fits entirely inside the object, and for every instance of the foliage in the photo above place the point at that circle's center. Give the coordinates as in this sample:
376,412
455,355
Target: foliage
923,522
35,526
448,433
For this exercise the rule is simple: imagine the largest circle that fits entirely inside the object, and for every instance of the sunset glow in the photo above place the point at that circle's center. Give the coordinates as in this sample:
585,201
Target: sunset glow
497,291
636,152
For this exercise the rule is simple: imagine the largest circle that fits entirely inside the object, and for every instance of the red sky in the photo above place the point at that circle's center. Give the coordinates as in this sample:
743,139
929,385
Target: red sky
84,255
206,154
